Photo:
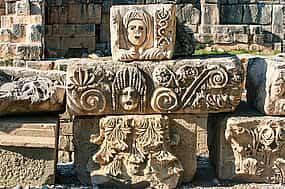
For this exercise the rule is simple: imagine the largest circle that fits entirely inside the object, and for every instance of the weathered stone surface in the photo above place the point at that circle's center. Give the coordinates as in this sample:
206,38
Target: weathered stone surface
181,132
265,84
180,86
134,150
257,14
27,151
250,147
28,90
145,32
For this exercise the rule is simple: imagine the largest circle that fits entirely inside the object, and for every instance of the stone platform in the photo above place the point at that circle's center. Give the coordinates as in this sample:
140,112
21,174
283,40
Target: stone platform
27,150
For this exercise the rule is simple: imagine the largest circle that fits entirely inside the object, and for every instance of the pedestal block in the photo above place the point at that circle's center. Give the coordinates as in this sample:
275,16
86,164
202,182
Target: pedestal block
27,151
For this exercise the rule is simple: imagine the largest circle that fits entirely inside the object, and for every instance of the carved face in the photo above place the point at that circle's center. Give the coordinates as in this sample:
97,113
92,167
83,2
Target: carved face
136,32
129,99
277,88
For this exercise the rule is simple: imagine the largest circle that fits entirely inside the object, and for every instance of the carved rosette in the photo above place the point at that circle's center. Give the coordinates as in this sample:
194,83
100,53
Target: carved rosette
136,149
258,151
188,86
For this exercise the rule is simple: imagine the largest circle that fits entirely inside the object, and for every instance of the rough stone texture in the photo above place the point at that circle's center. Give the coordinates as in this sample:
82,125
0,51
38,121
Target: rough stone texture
250,147
135,150
182,130
27,150
265,85
199,85
146,32
29,91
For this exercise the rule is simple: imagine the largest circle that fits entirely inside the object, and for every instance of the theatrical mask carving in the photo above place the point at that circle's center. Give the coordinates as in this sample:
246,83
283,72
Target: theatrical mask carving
143,33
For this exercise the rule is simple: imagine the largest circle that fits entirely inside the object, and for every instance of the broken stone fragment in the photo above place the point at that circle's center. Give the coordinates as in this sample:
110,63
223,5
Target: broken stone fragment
27,90
250,147
266,85
206,85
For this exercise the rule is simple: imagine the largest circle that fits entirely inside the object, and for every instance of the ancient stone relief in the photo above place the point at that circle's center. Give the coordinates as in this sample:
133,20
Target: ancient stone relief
258,151
31,88
188,87
136,149
275,101
143,33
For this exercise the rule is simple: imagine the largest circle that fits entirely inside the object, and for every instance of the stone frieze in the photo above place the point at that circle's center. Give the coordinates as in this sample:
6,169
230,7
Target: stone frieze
180,86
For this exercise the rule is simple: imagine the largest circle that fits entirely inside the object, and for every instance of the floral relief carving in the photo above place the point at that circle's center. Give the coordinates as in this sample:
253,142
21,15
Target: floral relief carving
258,151
135,149
147,88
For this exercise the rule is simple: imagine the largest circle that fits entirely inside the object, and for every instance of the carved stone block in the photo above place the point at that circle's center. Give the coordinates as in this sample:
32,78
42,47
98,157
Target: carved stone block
27,90
251,148
171,137
27,151
266,85
180,86
143,32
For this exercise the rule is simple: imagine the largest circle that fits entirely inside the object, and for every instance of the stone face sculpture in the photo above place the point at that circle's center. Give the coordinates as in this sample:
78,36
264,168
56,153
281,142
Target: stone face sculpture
143,33
265,85
134,150
27,90
182,86
258,148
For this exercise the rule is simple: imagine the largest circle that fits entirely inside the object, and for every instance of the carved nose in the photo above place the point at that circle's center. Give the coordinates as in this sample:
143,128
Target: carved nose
129,103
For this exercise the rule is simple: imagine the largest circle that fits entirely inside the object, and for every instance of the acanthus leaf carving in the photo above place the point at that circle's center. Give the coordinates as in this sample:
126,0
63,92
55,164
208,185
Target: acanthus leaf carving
258,151
136,149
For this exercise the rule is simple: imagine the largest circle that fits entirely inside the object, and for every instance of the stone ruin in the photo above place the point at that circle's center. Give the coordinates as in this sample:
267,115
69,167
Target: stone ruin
140,117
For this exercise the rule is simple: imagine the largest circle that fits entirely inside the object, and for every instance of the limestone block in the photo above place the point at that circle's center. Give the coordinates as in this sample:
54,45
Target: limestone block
180,129
66,143
241,38
204,37
224,38
144,32
27,151
5,50
265,85
34,33
29,51
250,148
210,14
27,90
22,7
66,129
65,157
231,14
187,13
18,32
5,35
278,18
7,21
36,8
212,84
257,14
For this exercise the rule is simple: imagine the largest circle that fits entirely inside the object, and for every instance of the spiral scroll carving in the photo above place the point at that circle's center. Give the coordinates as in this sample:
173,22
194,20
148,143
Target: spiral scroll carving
218,78
164,99
93,100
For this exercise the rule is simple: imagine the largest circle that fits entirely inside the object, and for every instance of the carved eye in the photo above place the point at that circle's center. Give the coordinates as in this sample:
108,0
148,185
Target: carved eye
133,27
141,28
